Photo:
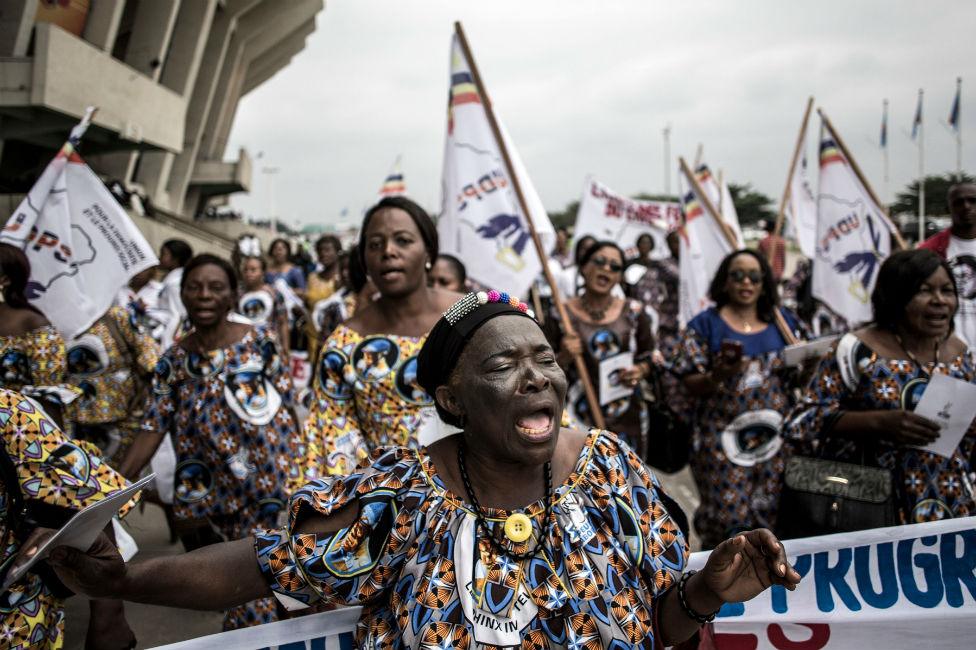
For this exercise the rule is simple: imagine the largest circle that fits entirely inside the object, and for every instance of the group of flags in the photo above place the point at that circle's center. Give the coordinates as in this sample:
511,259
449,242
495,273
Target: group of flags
491,217
952,122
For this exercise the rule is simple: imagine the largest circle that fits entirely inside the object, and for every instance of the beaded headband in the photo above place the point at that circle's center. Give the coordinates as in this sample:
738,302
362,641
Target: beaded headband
472,301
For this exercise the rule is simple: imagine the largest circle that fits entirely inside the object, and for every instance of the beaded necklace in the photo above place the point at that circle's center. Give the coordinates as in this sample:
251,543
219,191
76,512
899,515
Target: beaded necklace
914,359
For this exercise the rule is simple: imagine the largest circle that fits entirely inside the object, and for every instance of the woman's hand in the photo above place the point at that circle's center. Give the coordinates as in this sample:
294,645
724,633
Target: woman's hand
743,567
906,428
631,376
572,345
723,367
97,573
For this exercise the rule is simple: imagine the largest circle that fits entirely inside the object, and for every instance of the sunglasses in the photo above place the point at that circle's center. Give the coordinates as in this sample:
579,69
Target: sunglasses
738,275
603,262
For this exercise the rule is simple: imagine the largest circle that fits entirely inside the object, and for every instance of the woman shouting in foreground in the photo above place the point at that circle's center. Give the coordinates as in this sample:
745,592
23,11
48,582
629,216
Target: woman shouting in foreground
513,532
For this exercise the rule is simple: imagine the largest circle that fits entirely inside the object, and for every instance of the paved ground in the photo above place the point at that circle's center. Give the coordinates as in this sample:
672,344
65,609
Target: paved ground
160,625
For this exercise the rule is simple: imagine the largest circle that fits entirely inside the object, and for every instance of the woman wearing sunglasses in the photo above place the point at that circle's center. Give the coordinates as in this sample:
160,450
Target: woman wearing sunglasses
606,326
730,358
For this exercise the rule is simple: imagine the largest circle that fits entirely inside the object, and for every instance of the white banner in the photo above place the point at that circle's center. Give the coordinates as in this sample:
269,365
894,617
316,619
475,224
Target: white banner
604,214
801,210
721,198
81,244
481,222
853,238
324,631
901,587
703,246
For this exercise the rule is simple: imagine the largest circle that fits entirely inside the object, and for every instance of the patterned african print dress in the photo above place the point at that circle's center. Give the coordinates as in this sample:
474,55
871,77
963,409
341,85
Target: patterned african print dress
630,332
237,442
34,364
109,363
58,472
427,580
365,396
853,377
737,459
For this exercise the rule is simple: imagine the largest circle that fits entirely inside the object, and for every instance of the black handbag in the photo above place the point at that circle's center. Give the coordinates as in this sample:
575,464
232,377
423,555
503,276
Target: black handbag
822,496
668,437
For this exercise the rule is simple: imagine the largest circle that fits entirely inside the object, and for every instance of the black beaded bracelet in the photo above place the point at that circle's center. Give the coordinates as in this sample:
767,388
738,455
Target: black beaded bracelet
692,614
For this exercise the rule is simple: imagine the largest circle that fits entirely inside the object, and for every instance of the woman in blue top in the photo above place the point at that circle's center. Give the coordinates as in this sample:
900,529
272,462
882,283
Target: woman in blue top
730,360
280,266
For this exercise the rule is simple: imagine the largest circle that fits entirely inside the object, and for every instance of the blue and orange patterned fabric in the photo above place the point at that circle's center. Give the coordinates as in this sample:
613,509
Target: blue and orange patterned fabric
853,377
35,363
426,580
59,472
237,442
737,459
365,396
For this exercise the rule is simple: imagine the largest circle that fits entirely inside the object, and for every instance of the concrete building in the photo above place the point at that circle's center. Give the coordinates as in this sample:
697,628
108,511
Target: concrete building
167,76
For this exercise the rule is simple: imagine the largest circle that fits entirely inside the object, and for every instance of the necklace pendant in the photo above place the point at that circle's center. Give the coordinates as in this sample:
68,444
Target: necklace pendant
518,527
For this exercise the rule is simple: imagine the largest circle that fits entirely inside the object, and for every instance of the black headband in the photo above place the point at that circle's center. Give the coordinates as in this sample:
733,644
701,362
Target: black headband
448,338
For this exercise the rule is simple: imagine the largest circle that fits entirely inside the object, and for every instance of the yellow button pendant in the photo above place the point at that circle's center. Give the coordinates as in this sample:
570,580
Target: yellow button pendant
518,527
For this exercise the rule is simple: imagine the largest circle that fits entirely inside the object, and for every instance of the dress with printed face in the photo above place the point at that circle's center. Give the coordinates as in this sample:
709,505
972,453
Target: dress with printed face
853,377
61,473
426,579
34,364
108,363
365,395
630,332
264,306
237,442
737,459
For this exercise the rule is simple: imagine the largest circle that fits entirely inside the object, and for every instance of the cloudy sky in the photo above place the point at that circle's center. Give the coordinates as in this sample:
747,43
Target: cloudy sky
586,87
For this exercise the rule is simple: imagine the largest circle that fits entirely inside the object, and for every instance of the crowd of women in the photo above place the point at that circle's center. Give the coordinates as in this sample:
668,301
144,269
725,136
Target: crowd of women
432,468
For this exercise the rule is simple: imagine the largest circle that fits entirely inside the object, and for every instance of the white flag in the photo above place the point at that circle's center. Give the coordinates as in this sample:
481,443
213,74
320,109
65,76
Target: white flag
721,198
703,246
604,214
853,238
801,210
81,244
481,222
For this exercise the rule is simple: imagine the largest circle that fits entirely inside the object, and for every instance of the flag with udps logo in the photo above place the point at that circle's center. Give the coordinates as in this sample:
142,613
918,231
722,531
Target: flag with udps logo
81,245
481,222
853,237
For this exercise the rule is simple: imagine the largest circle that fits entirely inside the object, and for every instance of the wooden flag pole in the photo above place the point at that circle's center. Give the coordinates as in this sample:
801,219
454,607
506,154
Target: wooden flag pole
864,181
584,375
707,203
800,139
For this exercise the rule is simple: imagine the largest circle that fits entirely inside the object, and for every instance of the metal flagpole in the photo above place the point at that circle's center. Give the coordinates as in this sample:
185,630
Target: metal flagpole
921,169
884,151
667,160
591,396
959,129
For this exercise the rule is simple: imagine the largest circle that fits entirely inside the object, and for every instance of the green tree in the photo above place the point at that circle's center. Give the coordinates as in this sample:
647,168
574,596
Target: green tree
936,189
565,218
751,205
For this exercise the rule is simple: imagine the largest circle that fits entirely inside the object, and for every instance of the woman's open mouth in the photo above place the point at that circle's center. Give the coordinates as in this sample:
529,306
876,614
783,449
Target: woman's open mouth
536,426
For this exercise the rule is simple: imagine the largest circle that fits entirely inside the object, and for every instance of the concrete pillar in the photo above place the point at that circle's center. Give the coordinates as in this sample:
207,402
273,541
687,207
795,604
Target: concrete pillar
260,70
151,33
102,24
187,46
258,36
16,23
201,99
